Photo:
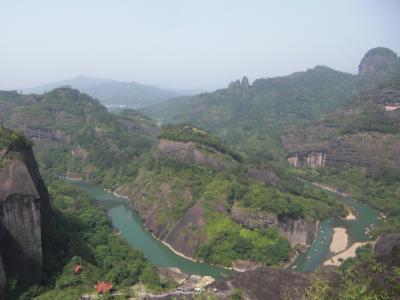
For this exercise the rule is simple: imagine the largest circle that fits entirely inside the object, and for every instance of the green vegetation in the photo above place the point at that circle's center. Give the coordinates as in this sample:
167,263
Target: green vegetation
175,187
188,133
380,190
76,134
228,241
84,236
10,139
361,278
253,119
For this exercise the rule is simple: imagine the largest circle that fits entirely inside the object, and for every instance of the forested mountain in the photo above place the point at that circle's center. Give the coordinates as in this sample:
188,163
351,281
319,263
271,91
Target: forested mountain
77,136
190,187
45,234
112,92
228,182
254,117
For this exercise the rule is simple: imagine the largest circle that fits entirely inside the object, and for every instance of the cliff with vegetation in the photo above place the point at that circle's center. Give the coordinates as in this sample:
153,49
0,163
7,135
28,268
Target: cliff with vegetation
75,135
337,128
372,274
41,242
26,218
222,214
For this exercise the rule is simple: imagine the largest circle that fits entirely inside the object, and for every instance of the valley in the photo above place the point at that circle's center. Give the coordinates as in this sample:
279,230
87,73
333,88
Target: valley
253,179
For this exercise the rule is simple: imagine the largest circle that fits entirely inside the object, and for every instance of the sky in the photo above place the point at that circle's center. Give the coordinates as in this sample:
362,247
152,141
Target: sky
187,44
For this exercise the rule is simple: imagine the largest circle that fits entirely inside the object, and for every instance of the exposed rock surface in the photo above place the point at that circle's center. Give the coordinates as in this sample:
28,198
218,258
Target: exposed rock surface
252,219
2,279
244,83
297,231
377,60
365,134
234,84
180,238
265,176
191,153
266,283
25,216
387,249
311,159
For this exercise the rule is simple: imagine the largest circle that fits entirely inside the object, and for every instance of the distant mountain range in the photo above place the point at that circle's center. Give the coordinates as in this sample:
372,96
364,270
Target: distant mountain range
255,117
112,92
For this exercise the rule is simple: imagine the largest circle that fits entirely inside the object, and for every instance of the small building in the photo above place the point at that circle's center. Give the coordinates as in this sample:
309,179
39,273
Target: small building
103,287
77,269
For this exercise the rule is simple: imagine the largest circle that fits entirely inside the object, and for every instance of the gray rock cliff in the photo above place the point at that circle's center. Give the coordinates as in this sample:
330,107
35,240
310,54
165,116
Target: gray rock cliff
26,217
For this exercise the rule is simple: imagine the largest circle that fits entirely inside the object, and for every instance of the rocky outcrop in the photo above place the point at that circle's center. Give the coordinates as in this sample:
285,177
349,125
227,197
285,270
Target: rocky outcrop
244,83
297,230
79,152
265,176
182,237
387,249
377,60
311,159
265,283
2,279
26,218
191,153
252,219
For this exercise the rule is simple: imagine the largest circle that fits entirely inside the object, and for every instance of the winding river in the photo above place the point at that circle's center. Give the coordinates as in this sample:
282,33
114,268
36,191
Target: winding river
129,224
319,251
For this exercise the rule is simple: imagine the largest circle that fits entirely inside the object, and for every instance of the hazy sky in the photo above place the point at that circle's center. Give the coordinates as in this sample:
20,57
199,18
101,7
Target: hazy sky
186,43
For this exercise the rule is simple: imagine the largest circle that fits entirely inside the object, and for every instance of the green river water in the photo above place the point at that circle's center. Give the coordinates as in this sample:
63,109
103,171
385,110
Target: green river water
319,250
129,224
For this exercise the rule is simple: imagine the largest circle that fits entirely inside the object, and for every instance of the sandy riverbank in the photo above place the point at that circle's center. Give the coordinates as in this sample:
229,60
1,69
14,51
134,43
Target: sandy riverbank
337,259
339,241
176,252
350,215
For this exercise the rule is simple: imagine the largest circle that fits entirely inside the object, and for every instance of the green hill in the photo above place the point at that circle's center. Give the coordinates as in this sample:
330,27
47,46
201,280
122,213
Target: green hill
253,117
75,135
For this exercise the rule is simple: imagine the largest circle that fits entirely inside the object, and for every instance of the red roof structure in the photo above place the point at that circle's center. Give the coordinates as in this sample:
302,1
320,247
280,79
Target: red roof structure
77,269
102,287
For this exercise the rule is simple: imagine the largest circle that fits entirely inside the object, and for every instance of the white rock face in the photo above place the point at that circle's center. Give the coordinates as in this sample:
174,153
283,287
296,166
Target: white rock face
312,159
297,231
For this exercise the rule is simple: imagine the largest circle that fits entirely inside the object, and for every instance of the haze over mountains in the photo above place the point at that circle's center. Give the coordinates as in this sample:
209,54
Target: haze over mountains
113,92
226,182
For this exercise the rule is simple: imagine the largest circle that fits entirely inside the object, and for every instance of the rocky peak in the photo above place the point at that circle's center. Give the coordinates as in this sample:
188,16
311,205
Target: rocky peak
377,60
244,83
234,84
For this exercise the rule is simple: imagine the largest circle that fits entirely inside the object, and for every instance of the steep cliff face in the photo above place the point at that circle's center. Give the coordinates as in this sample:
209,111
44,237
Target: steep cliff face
387,249
252,219
297,231
364,134
183,237
2,279
184,233
311,159
26,218
377,60
191,153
